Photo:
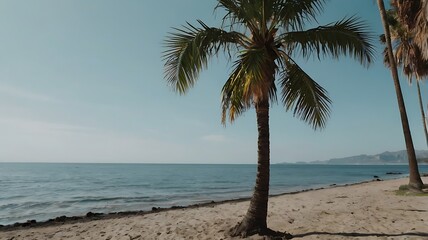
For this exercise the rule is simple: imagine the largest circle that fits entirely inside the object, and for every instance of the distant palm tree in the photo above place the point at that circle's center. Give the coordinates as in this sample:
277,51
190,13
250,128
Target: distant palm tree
415,180
264,36
421,28
407,55
413,14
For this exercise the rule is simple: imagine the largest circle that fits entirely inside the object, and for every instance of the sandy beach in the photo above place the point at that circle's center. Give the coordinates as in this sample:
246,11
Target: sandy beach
362,211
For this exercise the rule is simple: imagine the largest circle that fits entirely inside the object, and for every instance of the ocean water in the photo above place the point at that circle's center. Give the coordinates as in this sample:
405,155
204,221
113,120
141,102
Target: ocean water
42,191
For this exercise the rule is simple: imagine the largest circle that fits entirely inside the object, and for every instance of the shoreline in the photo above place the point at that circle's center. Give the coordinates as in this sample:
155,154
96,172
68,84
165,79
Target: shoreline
94,216
137,193
368,210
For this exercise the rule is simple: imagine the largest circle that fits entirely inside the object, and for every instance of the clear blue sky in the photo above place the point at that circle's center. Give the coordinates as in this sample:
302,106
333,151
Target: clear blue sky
82,81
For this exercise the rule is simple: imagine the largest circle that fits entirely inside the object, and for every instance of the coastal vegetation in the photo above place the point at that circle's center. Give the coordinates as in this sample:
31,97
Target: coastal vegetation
264,38
409,55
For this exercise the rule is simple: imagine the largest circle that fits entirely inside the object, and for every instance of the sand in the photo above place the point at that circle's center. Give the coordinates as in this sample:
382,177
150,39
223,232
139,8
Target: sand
363,211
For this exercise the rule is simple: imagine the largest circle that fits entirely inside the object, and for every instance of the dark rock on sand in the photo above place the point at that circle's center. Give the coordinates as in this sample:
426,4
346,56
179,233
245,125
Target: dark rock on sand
91,214
60,219
24,224
28,223
177,207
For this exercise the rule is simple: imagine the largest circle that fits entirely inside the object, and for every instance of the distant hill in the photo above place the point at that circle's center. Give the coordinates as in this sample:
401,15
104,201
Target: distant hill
399,157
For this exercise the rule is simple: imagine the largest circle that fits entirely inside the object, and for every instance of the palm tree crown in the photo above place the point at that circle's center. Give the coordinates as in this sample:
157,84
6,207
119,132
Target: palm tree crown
413,15
421,28
264,36
408,54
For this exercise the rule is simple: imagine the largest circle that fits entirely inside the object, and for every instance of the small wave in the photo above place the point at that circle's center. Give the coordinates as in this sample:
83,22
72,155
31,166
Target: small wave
31,205
90,199
9,206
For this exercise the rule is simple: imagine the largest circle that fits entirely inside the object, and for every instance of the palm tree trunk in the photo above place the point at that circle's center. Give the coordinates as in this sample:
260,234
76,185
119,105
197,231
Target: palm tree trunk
415,180
255,220
421,105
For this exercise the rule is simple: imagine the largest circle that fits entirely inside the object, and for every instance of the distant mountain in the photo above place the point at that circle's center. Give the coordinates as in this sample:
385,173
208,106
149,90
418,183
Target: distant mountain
399,157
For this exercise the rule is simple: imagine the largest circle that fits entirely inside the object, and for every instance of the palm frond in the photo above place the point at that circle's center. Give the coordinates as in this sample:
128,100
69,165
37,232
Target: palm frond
242,12
301,93
407,11
252,80
292,15
188,51
408,55
233,102
346,37
421,29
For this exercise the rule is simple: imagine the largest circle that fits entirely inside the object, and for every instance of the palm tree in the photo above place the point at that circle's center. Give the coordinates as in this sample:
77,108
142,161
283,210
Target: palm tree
413,14
415,180
407,54
421,28
264,36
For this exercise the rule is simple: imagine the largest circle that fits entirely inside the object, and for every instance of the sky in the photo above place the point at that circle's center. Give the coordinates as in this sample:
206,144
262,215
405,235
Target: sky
82,81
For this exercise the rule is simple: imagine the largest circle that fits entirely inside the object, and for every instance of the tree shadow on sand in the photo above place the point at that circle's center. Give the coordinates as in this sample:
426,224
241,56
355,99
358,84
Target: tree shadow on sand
270,234
276,235
355,234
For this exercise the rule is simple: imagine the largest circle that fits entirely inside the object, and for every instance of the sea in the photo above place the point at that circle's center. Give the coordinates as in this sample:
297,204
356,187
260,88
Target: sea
42,191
